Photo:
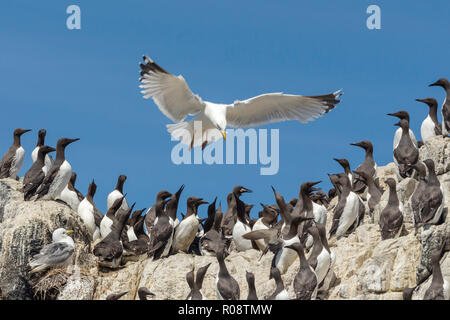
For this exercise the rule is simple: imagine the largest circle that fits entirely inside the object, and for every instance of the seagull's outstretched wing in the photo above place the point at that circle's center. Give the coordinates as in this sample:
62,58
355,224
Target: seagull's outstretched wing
276,107
170,93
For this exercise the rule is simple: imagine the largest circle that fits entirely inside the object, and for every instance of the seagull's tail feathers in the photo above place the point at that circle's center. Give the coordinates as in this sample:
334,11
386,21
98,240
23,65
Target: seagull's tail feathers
329,100
193,133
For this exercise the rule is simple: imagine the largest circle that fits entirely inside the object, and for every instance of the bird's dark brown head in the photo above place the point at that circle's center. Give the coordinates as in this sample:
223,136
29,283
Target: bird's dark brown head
402,114
343,162
431,102
443,82
239,190
64,142
365,144
19,131
93,188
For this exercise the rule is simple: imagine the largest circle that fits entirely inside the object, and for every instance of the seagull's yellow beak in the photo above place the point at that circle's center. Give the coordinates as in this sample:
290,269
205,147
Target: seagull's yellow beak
224,135
69,232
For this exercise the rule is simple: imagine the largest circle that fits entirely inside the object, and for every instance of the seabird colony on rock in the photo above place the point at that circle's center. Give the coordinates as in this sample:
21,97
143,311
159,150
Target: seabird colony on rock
287,229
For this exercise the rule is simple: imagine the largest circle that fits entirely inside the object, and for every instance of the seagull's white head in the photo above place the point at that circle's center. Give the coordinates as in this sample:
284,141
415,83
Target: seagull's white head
60,234
217,114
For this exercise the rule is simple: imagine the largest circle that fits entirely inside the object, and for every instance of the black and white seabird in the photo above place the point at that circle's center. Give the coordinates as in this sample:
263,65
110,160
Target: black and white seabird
433,201
327,281
241,226
140,245
445,110
419,194
88,212
269,217
196,284
110,249
227,288
305,281
250,277
368,166
280,292
373,193
439,288
70,194
34,155
230,216
129,234
187,229
320,257
391,218
12,161
109,218
405,154
117,193
430,126
346,211
172,206
36,174
59,174
402,115
171,209
305,208
161,234
56,254
208,242
348,172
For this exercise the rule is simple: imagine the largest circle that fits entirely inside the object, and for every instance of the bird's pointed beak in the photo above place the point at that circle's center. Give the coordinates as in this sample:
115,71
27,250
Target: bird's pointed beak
224,135
68,232
434,84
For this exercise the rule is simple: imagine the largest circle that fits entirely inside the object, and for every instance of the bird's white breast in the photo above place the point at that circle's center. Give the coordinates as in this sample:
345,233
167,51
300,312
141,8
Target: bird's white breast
185,233
259,225
131,234
349,214
323,265
60,181
113,196
70,197
320,213
285,257
283,295
105,226
17,162
427,129
86,213
239,230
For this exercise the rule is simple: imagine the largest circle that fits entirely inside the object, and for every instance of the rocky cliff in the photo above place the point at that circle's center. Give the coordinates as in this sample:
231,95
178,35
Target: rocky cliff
366,267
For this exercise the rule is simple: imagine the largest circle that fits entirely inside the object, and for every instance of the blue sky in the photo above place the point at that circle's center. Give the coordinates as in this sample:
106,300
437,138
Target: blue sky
84,83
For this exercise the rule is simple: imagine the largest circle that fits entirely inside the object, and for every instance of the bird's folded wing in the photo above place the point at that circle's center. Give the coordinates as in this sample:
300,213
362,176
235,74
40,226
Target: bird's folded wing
276,107
54,253
170,93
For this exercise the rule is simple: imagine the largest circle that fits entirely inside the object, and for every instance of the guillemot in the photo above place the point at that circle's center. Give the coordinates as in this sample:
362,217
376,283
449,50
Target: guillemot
391,218
59,174
34,155
368,166
445,110
36,174
12,161
430,126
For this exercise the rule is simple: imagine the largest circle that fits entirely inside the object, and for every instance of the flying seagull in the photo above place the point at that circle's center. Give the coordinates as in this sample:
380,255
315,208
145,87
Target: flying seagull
176,101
